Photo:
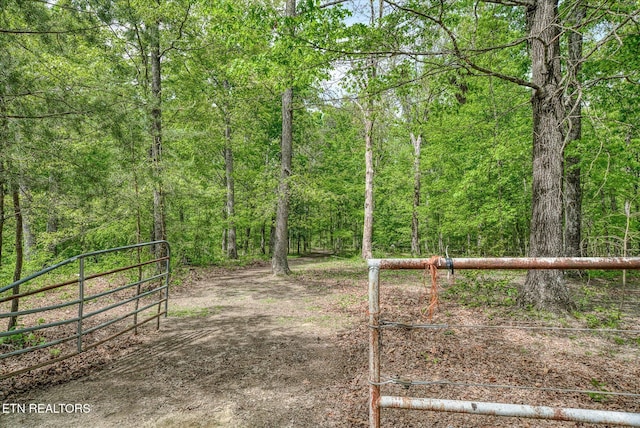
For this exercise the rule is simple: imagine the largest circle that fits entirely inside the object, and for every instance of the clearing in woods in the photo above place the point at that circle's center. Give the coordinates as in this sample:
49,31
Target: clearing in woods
242,348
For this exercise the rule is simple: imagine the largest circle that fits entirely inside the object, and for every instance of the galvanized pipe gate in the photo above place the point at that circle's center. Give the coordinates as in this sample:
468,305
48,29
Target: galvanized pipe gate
377,402
153,300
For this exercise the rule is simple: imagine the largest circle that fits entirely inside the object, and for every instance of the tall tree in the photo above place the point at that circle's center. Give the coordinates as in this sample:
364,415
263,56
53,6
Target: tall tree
279,263
368,117
416,141
232,247
572,181
17,273
545,288
159,206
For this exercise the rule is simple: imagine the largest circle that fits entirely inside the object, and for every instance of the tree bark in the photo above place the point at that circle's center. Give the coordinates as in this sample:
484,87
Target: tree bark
3,177
279,262
232,249
367,229
17,272
29,238
572,188
545,289
159,214
2,187
415,233
367,226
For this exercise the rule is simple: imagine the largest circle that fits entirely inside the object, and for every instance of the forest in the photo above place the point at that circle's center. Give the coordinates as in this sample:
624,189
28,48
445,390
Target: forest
261,128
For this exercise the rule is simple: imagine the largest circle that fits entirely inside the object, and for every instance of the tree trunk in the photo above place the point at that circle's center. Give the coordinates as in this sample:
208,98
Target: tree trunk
572,190
415,236
279,263
545,289
2,187
224,240
29,237
3,178
232,249
19,255
159,214
367,229
272,236
52,217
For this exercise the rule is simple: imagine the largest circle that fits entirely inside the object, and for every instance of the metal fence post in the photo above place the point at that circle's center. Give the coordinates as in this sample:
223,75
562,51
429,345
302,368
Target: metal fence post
81,302
166,290
374,343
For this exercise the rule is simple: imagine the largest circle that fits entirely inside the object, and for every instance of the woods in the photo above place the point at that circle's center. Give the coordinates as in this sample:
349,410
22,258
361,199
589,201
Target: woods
362,127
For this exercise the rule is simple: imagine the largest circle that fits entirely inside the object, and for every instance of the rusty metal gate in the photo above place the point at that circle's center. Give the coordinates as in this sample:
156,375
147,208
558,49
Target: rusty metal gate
90,309
378,402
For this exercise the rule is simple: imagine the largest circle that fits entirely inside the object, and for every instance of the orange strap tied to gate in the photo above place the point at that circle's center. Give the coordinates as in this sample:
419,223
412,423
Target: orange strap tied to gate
433,270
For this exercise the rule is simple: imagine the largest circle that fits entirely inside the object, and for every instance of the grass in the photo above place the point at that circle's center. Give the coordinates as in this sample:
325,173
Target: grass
598,398
23,340
345,301
191,312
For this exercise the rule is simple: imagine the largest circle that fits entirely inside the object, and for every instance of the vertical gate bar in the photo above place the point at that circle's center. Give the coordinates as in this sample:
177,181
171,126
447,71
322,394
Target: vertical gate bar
81,303
166,282
374,343
138,289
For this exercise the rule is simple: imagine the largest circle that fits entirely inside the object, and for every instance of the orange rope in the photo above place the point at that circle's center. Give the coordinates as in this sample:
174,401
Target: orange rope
434,300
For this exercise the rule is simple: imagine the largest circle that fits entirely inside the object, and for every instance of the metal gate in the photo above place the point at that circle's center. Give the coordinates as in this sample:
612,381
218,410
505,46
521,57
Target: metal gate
377,402
91,309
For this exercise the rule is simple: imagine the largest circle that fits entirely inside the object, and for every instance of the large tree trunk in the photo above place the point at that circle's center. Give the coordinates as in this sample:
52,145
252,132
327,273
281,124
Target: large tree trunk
415,235
572,190
279,262
159,214
19,255
232,249
545,289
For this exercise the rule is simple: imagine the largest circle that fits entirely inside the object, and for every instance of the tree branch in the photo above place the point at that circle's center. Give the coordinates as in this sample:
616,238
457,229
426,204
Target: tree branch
511,2
458,52
35,32
180,32
43,116
332,3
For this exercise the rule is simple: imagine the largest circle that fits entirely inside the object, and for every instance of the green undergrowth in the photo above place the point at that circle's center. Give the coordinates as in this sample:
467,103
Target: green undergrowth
601,304
475,289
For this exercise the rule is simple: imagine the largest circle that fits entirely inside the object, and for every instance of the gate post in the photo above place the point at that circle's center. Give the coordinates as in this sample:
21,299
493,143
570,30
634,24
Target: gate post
80,302
374,343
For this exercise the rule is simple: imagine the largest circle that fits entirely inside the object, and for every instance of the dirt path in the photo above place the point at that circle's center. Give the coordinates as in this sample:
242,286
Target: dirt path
239,349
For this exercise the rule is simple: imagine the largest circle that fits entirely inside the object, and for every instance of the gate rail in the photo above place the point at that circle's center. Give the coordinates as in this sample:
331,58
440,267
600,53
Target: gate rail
141,300
377,402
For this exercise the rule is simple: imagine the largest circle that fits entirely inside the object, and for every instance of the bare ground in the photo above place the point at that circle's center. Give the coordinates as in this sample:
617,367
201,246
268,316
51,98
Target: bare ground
242,348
